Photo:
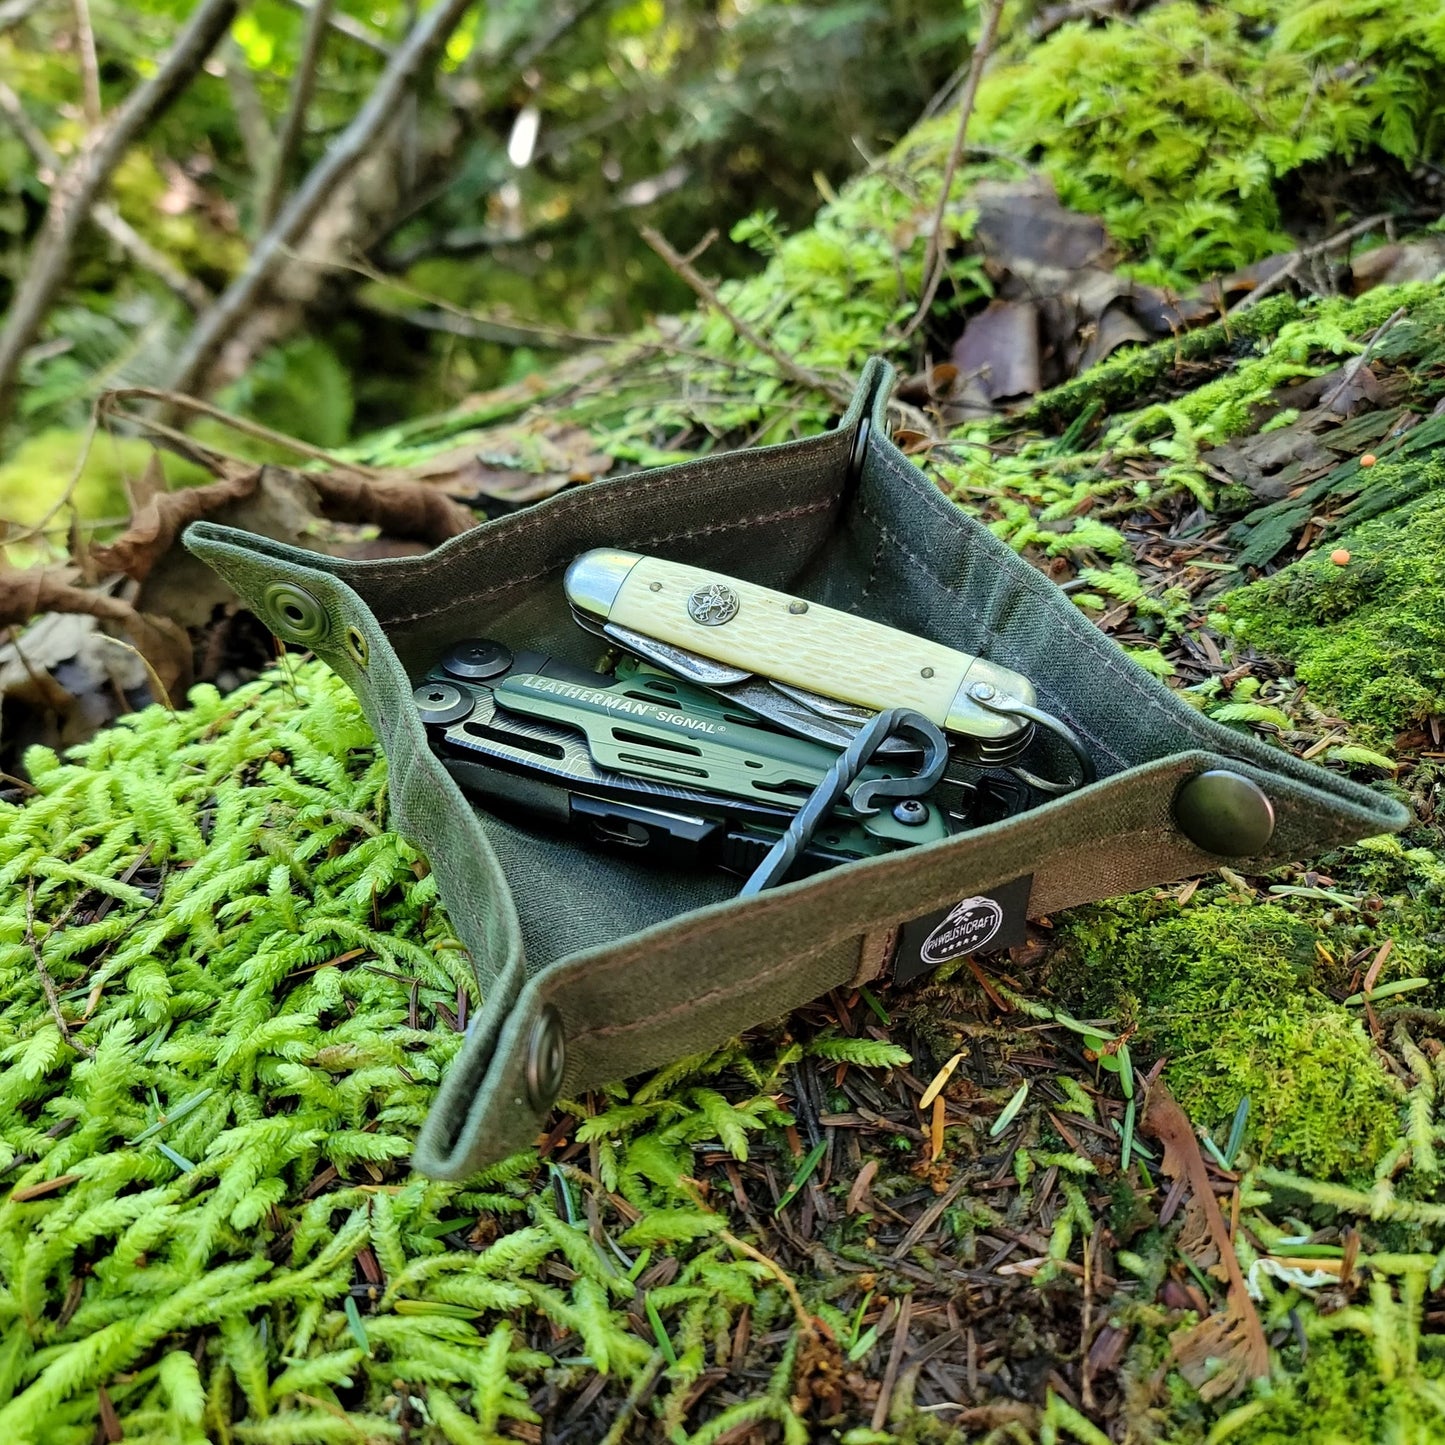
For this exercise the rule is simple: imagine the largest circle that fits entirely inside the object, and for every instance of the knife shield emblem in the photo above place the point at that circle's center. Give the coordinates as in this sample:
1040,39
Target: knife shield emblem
713,604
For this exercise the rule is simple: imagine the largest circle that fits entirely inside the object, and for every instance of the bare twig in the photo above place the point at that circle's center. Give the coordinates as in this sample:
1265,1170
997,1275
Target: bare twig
1353,369
47,163
806,1327
48,166
158,688
341,159
1307,253
303,83
683,266
934,256
76,191
895,1359
352,29
89,66
245,425
47,984
255,132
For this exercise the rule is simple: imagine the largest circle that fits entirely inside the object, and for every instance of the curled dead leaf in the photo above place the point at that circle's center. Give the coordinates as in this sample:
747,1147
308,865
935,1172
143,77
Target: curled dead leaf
1222,1353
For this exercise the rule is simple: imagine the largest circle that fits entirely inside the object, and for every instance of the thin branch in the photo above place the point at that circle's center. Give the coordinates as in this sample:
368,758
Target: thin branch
1354,368
47,984
806,1327
256,139
934,257
244,425
48,166
73,195
1308,253
89,66
683,266
341,159
477,325
352,29
47,163
303,83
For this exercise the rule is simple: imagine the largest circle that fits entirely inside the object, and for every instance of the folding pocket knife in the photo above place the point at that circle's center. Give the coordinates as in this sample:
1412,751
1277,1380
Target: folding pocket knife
808,668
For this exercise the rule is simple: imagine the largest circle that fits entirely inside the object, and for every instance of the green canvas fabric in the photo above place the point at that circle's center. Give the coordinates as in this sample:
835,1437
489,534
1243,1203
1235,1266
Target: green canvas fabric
644,965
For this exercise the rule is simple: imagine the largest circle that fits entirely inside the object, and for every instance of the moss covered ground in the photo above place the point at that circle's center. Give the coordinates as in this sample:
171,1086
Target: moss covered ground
230,988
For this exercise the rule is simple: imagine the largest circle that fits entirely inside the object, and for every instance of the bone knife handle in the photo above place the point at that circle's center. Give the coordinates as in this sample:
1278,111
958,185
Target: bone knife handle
803,644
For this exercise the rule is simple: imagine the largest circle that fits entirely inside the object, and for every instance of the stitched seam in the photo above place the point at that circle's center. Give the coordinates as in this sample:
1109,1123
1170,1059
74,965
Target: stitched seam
735,524
1092,643
877,563
543,516
888,537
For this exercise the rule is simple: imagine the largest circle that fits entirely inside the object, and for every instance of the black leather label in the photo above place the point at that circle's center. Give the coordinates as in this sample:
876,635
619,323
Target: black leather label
984,923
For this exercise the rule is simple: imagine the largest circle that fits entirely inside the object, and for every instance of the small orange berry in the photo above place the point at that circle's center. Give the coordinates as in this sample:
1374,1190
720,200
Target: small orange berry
1369,459
1339,556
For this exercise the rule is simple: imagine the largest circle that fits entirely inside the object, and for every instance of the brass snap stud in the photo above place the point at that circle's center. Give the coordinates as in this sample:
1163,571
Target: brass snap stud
1224,813
295,614
546,1060
356,646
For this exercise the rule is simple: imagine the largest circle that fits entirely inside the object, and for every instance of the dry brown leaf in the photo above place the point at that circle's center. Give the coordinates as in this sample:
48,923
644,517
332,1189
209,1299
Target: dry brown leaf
272,501
1422,259
1023,226
998,353
515,465
156,525
283,506
399,506
28,591
70,676
1221,1354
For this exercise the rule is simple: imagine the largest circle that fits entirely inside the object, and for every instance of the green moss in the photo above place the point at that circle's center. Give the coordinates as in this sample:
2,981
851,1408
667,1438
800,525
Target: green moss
1228,992
1368,638
1184,126
37,474
1338,1395
258,1017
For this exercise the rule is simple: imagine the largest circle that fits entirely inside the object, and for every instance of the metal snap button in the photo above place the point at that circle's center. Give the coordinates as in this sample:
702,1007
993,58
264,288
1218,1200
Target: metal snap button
1225,813
295,614
476,658
546,1060
859,450
440,702
357,648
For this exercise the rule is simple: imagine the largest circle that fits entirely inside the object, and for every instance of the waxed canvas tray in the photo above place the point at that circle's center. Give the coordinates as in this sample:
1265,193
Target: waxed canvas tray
633,966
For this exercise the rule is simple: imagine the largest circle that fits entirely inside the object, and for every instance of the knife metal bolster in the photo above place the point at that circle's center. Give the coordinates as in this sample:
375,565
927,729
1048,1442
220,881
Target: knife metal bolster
594,579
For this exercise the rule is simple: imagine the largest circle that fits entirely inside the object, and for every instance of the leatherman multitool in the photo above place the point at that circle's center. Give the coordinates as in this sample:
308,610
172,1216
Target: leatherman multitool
644,762
810,669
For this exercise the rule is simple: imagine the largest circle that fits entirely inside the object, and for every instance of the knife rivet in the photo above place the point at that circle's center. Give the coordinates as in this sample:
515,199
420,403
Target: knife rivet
797,608
927,672
982,691
654,586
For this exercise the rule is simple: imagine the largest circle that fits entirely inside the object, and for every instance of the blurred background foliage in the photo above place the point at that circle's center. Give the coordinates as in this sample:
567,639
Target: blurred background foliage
511,190
494,225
